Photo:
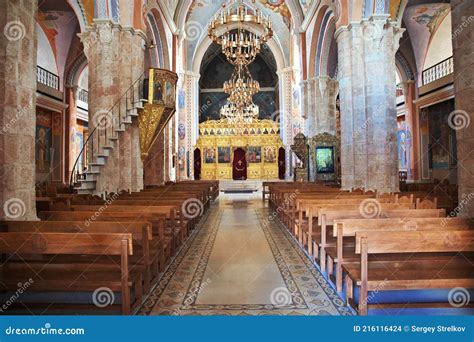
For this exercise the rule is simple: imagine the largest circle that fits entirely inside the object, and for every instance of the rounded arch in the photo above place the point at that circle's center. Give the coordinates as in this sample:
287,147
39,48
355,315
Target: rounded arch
406,71
205,42
321,42
159,56
182,10
46,57
75,71
79,11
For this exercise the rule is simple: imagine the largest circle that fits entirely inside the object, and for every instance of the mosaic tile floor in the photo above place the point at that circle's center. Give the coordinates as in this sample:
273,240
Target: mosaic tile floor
237,262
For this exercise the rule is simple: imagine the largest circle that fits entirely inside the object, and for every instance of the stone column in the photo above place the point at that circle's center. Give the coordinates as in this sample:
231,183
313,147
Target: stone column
116,61
321,116
462,119
101,46
321,112
413,167
18,49
71,122
369,156
189,117
286,116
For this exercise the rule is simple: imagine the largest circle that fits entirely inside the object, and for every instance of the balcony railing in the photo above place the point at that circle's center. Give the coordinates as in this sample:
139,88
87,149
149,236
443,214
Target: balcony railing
437,71
83,95
399,90
47,78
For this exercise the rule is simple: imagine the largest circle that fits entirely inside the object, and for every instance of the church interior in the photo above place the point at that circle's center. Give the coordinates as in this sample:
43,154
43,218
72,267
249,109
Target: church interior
238,157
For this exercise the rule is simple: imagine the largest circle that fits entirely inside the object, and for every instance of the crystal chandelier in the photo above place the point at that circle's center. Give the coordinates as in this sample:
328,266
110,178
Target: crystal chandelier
235,114
240,46
241,87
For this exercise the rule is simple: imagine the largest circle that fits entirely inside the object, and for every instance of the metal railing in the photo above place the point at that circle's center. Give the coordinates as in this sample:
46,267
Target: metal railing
83,95
438,71
47,78
105,126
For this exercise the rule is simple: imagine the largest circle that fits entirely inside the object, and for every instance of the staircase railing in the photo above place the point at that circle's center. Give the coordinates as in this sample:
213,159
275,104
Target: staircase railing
105,126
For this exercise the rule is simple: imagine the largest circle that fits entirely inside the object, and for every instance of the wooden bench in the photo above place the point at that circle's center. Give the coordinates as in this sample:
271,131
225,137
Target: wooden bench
162,242
145,258
305,232
17,266
345,229
453,271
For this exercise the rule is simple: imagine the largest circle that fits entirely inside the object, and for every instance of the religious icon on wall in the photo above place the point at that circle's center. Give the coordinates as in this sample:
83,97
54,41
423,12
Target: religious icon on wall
209,155
43,145
325,159
157,92
223,155
402,150
181,131
181,99
169,91
254,154
270,154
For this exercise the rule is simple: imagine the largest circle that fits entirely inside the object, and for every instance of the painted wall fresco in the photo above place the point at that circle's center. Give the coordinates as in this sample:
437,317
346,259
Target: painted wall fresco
441,149
422,22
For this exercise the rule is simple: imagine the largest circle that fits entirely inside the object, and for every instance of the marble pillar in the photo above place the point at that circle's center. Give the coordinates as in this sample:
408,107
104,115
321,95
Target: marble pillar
366,52
18,50
462,119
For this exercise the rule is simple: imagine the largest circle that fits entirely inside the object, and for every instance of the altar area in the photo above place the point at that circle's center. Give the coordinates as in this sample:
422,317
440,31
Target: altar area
249,150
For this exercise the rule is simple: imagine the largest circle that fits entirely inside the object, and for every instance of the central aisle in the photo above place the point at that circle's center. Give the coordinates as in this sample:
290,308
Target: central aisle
240,262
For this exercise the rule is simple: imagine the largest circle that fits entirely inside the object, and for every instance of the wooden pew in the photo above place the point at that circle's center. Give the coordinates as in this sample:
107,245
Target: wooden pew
144,257
305,233
453,271
162,244
50,277
327,217
345,230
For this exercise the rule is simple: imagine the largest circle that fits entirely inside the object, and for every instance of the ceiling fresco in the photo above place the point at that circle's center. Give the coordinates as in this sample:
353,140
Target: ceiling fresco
201,12
421,22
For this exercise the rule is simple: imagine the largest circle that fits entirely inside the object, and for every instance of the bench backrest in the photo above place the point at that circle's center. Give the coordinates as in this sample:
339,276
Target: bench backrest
133,227
376,242
65,243
334,216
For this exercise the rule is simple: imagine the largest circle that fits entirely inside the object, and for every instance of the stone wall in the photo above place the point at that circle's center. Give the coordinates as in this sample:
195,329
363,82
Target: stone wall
18,49
462,119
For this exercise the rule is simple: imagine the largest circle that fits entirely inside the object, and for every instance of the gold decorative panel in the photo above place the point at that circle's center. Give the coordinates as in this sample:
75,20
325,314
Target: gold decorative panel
221,133
160,108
